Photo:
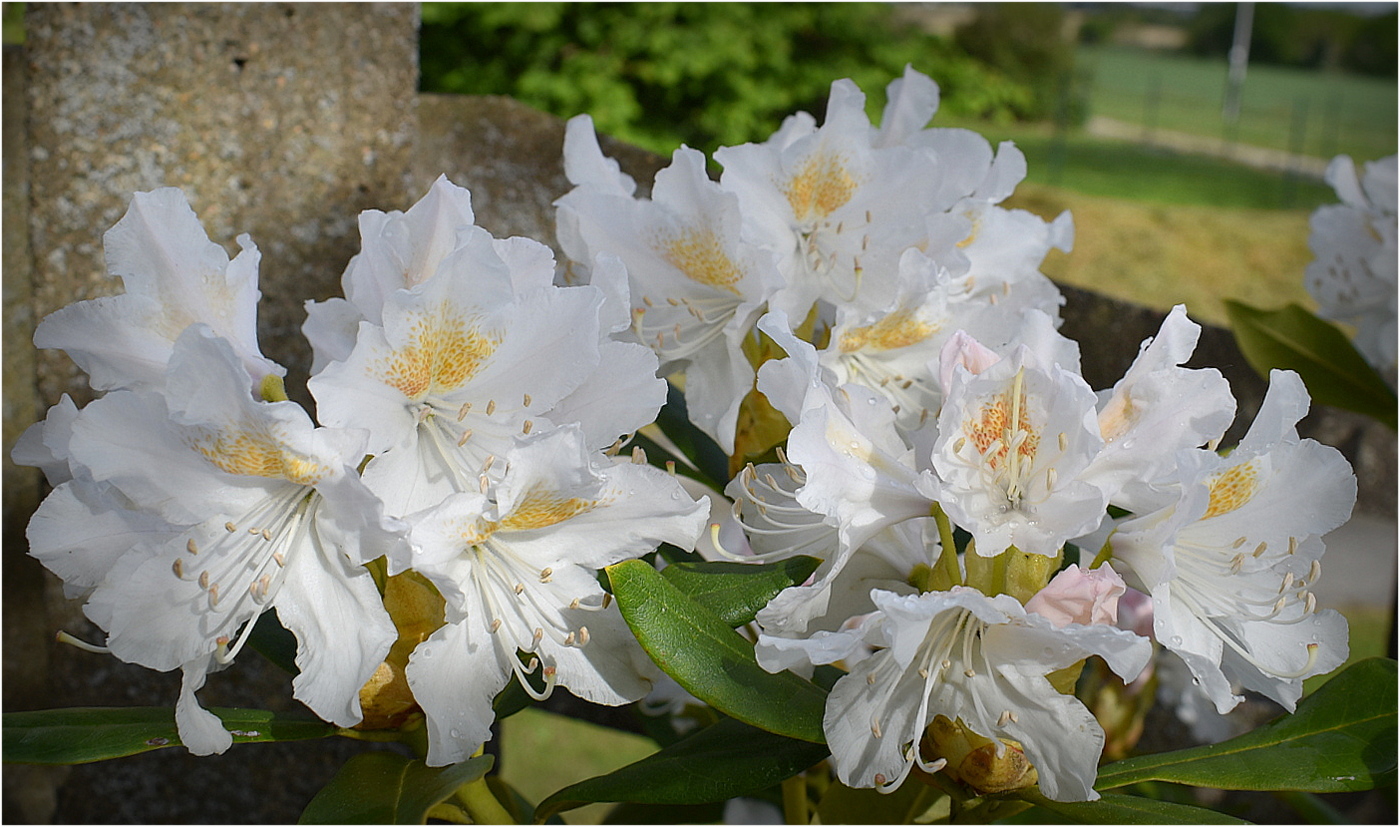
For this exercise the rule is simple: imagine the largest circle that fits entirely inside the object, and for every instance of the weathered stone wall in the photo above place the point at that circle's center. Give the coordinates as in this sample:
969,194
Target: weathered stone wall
284,121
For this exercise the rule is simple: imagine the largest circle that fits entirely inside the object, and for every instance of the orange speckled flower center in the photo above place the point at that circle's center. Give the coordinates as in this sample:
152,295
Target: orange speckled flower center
821,186
1002,424
444,350
898,329
257,454
699,254
1231,489
541,509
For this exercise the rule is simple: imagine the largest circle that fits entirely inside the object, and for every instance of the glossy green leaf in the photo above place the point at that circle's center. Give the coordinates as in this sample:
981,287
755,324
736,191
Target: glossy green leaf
1116,808
387,788
719,762
736,591
847,805
1340,738
271,639
1334,372
712,661
86,734
708,457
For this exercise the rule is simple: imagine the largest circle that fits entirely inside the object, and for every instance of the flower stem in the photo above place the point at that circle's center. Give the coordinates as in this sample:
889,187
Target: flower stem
450,813
482,805
949,574
795,800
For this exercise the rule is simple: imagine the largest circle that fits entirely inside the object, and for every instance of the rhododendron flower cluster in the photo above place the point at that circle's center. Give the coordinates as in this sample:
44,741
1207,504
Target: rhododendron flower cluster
853,319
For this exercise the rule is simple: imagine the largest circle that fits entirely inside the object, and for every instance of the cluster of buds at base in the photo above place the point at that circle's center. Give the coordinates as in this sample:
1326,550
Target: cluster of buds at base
417,611
974,760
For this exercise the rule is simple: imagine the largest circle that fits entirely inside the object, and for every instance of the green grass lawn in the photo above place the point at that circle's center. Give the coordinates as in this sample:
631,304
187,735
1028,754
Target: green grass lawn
1122,169
1345,113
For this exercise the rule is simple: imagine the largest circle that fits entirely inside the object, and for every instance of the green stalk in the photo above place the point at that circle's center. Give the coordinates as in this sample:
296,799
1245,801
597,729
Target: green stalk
947,572
482,805
795,800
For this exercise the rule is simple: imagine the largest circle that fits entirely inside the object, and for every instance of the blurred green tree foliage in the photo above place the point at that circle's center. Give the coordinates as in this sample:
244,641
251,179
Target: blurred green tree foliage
706,74
1026,42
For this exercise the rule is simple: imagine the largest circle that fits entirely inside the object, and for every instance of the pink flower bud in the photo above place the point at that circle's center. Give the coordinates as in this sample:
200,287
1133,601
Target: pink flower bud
1080,596
962,349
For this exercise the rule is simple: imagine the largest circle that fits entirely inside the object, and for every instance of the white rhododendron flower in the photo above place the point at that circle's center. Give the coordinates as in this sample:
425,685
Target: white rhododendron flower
263,510
839,201
399,250
519,574
977,660
481,352
1013,442
1157,409
696,287
174,276
1229,563
1353,278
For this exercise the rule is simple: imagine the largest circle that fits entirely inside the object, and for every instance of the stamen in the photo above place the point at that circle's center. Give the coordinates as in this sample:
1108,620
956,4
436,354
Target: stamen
466,435
1259,550
527,426
1239,542
213,595
671,467
970,673
527,400
1050,477
490,461
64,637
875,728
569,639
490,407
204,579
495,624
1310,604
583,634
178,567
545,574
519,588
266,534
1314,572
1287,582
923,673
1236,563
483,483
230,527
254,532
280,558
639,457
870,679
958,446
539,635
463,411
1292,545
1005,718
191,547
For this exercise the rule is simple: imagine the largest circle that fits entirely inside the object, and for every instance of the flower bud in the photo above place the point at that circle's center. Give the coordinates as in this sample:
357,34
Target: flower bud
417,611
974,760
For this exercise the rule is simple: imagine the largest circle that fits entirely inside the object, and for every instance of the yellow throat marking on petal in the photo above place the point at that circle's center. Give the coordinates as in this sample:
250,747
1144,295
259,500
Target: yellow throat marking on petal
541,509
1117,417
699,254
976,219
1001,422
257,454
443,352
896,330
821,186
1231,489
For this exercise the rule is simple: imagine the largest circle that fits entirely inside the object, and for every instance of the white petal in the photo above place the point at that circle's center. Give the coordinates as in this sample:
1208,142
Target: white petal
201,731
454,675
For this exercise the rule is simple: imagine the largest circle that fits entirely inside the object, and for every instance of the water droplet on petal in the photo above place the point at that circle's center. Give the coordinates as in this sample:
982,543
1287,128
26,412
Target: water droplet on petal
1176,640
455,733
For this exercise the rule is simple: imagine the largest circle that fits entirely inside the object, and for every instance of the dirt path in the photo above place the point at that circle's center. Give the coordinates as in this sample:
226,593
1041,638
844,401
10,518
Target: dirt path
1254,156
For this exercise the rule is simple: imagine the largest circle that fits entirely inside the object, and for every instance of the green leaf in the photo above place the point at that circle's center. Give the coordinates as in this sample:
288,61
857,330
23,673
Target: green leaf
1340,738
736,591
1117,808
86,734
1334,372
719,762
708,457
271,639
847,805
387,788
712,661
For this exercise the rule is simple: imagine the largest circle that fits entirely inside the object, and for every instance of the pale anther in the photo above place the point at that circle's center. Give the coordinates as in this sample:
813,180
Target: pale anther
527,400
1310,604
539,635
1005,718
230,527
1236,563
191,547
1239,542
204,580
463,411
870,679
1064,442
583,636
525,429
266,534
569,639
946,664
279,558
483,483
495,624
466,435
178,567
254,531
519,588
1287,582
1314,571
1260,549
490,407
970,673
213,595
923,673
1292,545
